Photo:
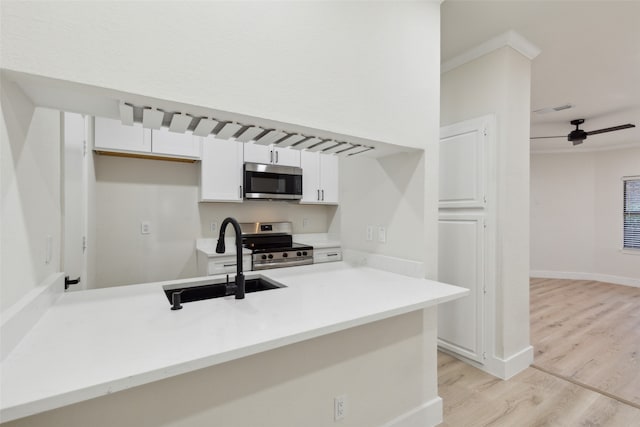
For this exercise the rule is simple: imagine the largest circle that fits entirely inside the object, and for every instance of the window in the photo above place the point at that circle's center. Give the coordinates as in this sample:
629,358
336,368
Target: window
631,213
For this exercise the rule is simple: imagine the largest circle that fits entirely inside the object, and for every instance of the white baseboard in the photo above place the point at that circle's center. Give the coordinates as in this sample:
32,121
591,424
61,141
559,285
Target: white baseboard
501,368
426,415
18,319
573,275
391,264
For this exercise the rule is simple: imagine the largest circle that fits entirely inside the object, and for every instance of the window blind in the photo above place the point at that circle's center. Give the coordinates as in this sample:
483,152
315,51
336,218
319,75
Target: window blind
632,213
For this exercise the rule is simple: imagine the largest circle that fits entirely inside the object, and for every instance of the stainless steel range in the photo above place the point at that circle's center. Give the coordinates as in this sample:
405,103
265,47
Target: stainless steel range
272,246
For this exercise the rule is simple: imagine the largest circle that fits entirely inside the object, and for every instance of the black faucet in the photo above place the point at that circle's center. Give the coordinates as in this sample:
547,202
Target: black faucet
220,249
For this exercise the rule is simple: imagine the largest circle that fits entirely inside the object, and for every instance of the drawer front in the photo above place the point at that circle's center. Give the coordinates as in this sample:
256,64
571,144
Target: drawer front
228,265
328,255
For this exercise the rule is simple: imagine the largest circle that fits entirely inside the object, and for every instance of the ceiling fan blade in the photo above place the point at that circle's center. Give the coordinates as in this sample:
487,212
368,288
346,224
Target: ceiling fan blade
595,132
545,137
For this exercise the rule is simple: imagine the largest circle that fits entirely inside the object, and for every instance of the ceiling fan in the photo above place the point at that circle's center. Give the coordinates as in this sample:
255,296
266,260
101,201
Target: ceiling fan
577,136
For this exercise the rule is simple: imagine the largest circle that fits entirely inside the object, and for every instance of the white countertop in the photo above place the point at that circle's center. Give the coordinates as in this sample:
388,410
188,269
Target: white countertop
317,240
96,342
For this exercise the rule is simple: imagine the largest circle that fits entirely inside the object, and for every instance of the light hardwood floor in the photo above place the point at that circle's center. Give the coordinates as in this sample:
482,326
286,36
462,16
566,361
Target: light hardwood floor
586,337
588,332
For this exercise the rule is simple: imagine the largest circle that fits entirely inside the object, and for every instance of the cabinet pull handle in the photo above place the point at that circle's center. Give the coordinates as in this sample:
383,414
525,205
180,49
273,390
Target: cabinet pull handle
240,192
322,195
271,156
229,265
276,156
318,194
334,254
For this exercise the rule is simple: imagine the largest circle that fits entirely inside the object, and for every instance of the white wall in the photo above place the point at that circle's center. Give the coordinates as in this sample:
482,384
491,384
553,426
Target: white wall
365,69
31,210
499,83
129,191
356,68
388,192
385,369
576,215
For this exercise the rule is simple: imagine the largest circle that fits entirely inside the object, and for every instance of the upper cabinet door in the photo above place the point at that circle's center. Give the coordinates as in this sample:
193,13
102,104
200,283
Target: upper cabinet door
221,170
271,155
112,135
286,156
255,153
329,178
175,144
310,177
462,165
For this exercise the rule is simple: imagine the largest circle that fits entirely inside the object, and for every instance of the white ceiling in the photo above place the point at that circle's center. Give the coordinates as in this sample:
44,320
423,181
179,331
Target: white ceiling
590,58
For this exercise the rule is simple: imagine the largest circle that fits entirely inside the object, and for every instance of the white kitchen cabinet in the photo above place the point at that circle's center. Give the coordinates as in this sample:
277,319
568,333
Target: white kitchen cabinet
271,154
163,141
327,255
112,135
319,178
221,170
465,257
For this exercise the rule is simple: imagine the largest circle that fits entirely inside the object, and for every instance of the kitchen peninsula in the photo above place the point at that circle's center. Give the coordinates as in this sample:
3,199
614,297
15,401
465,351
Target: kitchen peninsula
120,356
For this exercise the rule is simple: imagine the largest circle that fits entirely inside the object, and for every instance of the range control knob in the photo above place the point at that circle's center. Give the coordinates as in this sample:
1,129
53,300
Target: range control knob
270,256
263,257
304,253
284,255
299,253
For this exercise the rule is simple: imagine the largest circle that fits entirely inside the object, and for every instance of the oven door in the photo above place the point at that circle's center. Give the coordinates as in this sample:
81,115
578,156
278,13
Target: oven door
272,182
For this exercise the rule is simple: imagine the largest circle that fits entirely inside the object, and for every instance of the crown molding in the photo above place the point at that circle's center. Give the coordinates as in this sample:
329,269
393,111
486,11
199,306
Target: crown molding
510,38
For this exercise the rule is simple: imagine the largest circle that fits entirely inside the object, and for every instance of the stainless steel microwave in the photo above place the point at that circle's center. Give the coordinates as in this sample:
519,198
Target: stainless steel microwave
262,181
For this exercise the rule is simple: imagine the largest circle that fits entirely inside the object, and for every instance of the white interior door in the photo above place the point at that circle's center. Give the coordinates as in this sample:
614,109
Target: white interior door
75,198
462,246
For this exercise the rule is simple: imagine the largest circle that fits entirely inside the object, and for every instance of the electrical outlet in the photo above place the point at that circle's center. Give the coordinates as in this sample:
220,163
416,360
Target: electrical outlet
214,227
369,233
145,227
382,235
339,407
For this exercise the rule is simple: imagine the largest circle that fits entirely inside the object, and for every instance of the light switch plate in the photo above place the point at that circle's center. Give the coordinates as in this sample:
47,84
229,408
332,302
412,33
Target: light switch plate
145,227
382,235
369,233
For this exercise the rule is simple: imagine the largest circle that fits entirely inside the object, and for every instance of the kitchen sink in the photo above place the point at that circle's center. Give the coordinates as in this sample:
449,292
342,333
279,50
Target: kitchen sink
219,288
